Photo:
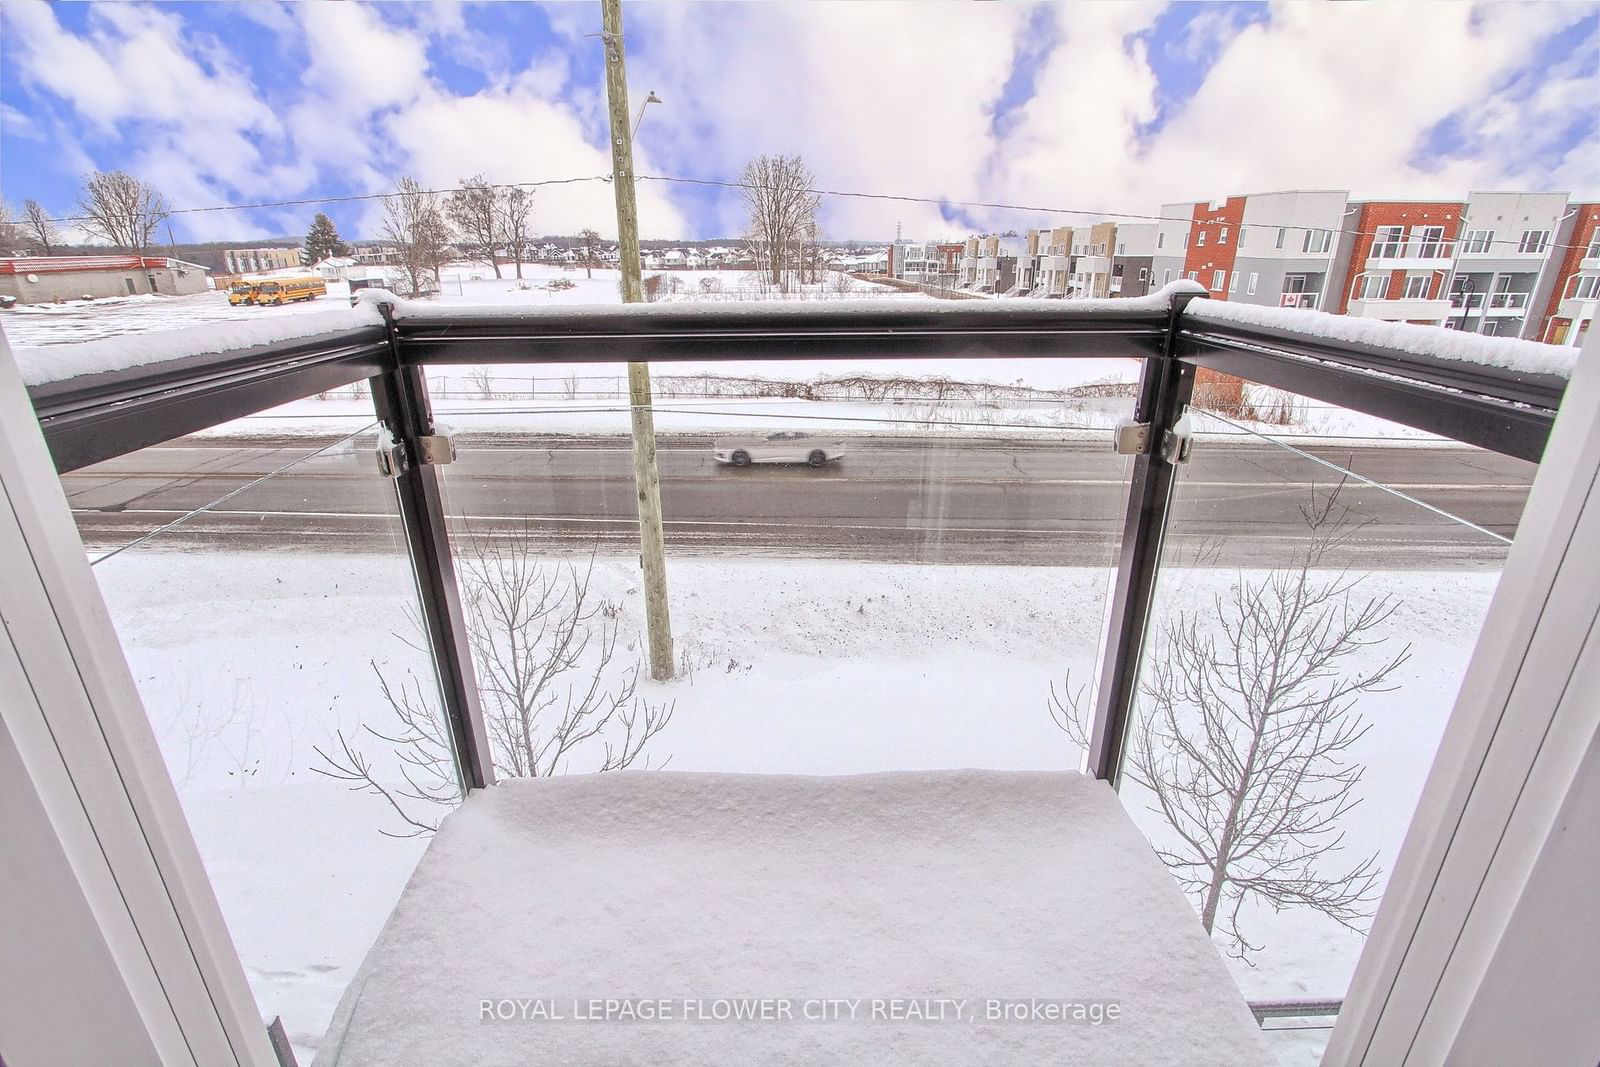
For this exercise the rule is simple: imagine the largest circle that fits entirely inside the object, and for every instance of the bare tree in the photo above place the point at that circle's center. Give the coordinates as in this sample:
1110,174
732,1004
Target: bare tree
1244,743
12,236
554,683
588,239
122,210
415,225
783,209
477,213
515,206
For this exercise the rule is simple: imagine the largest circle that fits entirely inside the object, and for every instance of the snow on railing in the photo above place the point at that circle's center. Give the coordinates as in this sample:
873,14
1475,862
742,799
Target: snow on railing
1507,353
53,363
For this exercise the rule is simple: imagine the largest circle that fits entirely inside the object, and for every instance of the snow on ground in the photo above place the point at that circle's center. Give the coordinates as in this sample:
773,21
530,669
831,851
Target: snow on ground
922,898
247,660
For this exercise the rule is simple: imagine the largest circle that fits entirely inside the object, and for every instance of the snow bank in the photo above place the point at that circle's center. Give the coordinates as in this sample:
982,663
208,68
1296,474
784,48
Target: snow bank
51,363
918,898
1509,353
1010,308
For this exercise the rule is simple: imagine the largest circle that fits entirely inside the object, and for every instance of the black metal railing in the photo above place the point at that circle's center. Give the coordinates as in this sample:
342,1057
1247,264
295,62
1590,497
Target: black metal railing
101,416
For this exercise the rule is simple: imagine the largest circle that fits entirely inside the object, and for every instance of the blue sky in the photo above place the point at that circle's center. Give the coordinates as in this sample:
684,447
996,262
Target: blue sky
1099,107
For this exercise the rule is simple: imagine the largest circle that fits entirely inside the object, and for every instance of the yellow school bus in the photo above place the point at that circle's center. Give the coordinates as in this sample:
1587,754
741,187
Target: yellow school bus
242,292
288,290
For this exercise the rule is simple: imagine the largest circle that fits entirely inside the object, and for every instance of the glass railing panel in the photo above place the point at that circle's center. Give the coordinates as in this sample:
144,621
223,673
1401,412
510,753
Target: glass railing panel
1323,582
906,601
265,601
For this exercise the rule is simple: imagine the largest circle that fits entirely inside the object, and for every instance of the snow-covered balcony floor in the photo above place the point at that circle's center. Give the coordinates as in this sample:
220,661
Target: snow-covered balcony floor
899,893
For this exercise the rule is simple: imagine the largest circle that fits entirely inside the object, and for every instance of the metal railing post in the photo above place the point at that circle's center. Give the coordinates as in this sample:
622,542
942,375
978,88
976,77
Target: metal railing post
400,395
1164,390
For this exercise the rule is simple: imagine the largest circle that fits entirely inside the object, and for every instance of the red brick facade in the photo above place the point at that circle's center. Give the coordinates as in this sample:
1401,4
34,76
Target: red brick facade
1213,243
1407,214
1583,231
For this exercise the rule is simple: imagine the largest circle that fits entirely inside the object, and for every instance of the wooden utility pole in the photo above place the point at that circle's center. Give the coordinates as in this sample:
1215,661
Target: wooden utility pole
646,478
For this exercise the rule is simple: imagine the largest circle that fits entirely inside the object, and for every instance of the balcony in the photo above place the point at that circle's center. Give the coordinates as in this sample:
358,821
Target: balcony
1411,254
1402,310
348,622
1304,301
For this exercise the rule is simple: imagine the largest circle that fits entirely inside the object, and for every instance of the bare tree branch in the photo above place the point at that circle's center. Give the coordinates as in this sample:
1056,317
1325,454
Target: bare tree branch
121,210
1244,740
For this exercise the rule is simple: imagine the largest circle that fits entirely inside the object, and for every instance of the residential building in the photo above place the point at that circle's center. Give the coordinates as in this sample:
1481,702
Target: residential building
1054,271
948,262
260,260
1398,257
53,279
1570,312
1132,259
1092,250
1504,270
989,262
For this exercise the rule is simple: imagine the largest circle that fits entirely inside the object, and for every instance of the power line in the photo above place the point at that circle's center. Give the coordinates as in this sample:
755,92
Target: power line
262,205
1036,210
906,198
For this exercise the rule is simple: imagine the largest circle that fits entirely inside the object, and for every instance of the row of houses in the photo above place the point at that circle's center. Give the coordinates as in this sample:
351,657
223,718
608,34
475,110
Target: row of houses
1511,264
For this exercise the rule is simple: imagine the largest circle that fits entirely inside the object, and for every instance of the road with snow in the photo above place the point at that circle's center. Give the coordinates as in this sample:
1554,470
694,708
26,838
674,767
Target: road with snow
928,500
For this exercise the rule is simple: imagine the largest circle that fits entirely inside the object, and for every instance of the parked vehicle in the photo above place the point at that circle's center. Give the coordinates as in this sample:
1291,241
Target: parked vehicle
785,446
288,290
242,292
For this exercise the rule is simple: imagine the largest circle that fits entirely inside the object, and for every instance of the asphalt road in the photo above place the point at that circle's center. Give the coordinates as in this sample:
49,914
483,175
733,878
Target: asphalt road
965,500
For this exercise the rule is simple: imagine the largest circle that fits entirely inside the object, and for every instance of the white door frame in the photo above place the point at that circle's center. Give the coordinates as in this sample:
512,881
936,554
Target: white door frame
1486,948
114,948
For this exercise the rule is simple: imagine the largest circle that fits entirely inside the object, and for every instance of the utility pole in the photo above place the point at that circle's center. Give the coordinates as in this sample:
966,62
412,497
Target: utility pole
646,477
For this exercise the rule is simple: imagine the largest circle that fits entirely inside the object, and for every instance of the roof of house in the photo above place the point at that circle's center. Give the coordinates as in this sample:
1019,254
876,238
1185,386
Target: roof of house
83,264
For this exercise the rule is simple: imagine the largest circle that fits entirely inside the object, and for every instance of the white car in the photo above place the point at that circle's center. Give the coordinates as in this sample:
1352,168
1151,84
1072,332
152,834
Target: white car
785,446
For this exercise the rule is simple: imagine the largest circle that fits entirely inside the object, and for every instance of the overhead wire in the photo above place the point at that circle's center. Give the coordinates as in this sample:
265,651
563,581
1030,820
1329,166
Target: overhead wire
1033,209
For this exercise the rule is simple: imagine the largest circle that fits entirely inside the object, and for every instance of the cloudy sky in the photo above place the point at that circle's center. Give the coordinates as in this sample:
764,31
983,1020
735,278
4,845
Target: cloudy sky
1104,107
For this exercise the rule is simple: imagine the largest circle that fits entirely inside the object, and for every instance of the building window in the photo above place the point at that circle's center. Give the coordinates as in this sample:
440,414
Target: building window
1122,248
1534,241
1416,287
1593,251
1218,278
1283,232
1318,241
1374,287
1254,278
1186,238
1389,243
1161,240
1166,276
1144,274
1430,241
1588,287
1233,282
1477,242
1194,276
1200,240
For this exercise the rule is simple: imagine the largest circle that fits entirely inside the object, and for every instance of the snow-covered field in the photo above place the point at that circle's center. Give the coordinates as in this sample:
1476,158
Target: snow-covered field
248,660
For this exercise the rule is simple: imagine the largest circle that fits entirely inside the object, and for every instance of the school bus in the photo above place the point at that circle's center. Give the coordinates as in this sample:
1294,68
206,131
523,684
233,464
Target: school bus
242,292
288,290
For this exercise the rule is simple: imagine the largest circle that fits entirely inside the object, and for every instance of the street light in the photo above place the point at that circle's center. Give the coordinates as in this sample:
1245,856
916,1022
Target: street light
651,99
1466,300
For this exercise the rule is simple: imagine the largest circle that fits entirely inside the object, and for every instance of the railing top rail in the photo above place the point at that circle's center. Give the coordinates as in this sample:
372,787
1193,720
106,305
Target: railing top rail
1497,407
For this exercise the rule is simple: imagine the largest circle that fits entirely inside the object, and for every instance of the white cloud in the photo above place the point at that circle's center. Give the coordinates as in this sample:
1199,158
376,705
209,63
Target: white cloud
890,97
518,136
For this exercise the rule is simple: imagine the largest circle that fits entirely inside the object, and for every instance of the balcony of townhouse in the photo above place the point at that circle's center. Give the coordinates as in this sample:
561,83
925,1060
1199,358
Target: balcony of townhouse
1506,304
1581,296
888,779
1402,309
1306,301
1416,253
